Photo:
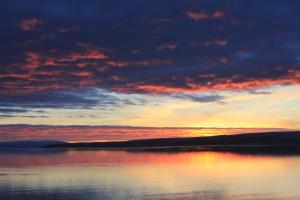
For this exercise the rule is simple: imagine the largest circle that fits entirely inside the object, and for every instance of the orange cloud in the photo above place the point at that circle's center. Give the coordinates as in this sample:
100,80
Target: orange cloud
94,133
30,24
231,83
82,73
197,15
152,62
85,55
201,15
91,54
220,42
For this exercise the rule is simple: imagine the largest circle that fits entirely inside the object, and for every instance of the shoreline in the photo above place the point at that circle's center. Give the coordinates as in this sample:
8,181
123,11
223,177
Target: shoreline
270,142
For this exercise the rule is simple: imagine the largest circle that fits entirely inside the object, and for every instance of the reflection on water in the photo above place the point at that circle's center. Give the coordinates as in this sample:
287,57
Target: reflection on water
95,174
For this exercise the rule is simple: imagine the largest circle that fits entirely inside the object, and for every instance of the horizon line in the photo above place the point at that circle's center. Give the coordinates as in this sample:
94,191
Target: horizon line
154,127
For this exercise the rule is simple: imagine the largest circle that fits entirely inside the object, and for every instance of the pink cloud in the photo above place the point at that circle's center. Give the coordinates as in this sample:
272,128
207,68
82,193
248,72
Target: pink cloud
67,29
33,60
136,51
118,63
218,14
217,42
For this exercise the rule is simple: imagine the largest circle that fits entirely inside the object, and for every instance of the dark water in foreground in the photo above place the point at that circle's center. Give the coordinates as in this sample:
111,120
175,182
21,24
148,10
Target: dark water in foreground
98,174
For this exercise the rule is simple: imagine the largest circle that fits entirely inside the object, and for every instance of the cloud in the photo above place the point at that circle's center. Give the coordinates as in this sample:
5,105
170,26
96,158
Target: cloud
23,116
260,92
67,29
200,98
48,100
197,15
30,24
76,99
167,46
7,111
94,133
192,47
201,15
12,110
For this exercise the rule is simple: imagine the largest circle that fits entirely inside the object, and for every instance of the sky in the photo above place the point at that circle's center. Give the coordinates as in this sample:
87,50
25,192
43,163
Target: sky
150,63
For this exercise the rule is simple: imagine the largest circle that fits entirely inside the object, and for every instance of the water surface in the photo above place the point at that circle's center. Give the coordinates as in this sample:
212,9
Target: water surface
98,174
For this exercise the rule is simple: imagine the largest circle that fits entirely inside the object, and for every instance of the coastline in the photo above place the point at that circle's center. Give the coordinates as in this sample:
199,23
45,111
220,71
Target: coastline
270,143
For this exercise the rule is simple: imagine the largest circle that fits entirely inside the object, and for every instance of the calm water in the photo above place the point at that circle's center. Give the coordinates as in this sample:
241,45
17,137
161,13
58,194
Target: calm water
95,174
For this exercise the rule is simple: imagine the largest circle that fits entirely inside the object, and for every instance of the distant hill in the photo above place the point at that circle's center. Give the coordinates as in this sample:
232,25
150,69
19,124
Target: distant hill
29,144
249,140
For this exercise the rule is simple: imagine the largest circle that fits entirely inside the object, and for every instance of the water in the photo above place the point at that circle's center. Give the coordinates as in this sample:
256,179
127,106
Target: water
98,174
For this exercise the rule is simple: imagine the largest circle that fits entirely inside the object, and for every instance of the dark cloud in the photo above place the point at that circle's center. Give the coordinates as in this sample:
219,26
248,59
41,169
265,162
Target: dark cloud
12,110
200,98
260,92
23,116
76,99
49,100
144,46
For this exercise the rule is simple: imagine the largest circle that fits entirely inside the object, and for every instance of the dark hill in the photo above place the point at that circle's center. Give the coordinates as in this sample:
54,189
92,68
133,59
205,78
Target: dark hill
29,144
282,139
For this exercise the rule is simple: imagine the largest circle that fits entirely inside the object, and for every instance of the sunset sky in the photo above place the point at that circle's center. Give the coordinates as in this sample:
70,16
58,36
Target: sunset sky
172,63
